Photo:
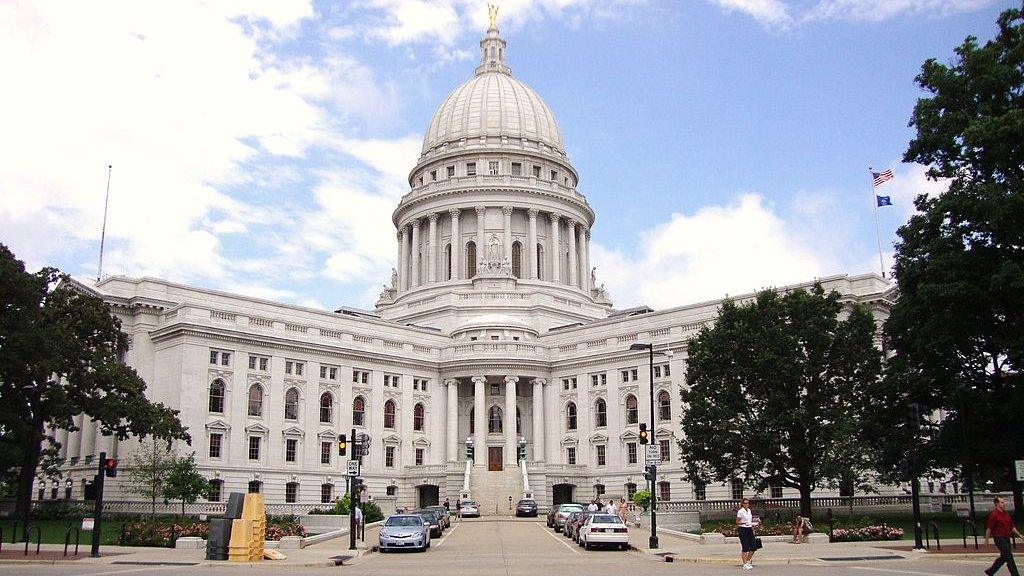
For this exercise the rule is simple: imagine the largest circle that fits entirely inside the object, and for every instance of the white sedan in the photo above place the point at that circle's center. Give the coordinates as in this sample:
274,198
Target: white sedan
603,530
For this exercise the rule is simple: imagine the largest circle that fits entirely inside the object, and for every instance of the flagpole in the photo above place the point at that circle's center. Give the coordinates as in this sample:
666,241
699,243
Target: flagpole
103,231
878,235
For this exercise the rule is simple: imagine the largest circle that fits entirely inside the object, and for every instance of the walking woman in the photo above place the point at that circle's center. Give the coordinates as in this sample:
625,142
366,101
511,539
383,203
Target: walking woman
745,527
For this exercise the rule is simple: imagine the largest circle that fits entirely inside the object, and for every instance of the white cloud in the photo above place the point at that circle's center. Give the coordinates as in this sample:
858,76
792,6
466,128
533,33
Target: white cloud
767,12
775,14
719,250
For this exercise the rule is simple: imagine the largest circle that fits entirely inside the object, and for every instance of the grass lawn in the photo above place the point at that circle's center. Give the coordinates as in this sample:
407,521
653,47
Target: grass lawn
53,531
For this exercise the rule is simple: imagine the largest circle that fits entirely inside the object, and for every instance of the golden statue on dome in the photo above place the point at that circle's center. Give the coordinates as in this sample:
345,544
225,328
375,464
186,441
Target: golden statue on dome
492,15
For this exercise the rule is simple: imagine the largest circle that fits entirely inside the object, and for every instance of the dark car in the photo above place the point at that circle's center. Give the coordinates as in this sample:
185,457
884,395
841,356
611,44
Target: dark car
434,519
557,516
526,507
446,521
573,523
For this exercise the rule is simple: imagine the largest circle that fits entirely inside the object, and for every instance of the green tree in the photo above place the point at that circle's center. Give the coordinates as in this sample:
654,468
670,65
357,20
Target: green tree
151,466
957,327
184,482
60,356
776,392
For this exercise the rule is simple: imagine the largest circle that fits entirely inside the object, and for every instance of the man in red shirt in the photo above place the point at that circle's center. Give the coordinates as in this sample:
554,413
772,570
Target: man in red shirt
1000,528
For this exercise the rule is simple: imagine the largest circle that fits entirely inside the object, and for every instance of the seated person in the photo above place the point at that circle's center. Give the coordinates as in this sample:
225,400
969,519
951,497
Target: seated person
801,526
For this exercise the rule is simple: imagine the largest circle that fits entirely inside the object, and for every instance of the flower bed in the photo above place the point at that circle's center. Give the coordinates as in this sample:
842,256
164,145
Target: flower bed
867,533
159,531
763,529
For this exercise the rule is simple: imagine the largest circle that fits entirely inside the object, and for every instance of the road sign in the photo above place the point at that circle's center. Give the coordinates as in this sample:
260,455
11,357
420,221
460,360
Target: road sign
88,524
353,468
1019,465
652,456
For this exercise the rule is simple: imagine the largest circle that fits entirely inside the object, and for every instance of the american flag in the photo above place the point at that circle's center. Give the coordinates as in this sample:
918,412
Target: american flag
881,177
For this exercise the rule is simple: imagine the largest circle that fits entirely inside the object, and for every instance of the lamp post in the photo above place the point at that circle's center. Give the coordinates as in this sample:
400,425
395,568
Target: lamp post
652,471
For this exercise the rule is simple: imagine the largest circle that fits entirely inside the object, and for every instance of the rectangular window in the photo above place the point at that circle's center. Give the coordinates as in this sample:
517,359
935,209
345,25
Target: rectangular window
215,444
536,171
213,356
665,452
291,492
517,169
299,368
554,176
632,374
261,363
625,375
594,380
631,452
668,370
325,452
328,372
213,495
657,371
392,380
433,175
776,491
291,450
601,454
360,377
664,491
419,456
570,454
421,180
736,489
492,168
225,358
389,456
289,367
419,384
471,169
450,171
326,492
254,447
700,490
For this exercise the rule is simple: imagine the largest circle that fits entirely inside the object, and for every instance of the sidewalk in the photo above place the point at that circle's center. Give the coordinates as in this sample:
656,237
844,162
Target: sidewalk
328,553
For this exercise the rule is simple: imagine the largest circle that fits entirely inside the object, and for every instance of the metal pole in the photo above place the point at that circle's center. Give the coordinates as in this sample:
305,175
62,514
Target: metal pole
878,235
653,543
352,498
103,231
98,512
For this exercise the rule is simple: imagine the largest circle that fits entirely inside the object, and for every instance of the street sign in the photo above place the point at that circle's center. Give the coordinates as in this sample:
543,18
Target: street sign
1019,465
652,456
88,524
353,468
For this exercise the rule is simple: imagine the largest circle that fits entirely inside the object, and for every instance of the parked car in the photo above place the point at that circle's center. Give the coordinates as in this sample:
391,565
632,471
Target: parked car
404,532
468,509
526,507
569,521
446,521
603,530
573,523
561,513
434,519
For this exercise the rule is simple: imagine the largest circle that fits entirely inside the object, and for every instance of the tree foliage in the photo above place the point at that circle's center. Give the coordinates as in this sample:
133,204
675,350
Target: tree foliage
60,356
151,466
777,390
184,482
957,327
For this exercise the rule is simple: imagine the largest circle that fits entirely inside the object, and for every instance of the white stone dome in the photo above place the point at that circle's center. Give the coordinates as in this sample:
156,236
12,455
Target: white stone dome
493,103
485,321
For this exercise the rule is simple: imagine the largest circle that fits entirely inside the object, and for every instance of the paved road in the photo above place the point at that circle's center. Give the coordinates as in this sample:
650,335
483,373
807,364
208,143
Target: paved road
482,548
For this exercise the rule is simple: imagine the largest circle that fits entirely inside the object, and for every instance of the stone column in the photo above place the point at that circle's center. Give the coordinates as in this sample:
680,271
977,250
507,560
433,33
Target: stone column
433,252
531,250
556,257
507,229
456,243
74,444
415,254
585,251
452,436
538,419
574,266
479,421
511,437
403,259
88,447
481,240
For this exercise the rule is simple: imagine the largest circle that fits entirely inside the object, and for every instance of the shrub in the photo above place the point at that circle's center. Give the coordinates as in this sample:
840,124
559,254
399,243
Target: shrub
281,526
371,512
158,532
867,533
642,498
59,510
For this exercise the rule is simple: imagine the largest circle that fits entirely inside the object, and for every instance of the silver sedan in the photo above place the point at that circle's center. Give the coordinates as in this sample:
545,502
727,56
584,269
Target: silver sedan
404,532
469,508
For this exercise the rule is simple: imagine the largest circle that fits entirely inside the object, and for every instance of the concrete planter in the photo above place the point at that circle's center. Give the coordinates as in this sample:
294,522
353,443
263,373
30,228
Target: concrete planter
320,523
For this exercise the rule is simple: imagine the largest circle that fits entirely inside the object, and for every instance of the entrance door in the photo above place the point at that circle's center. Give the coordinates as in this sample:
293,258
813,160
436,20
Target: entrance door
429,495
561,494
494,458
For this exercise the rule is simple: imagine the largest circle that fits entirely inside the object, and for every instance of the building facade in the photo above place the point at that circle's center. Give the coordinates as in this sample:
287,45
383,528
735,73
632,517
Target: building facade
493,332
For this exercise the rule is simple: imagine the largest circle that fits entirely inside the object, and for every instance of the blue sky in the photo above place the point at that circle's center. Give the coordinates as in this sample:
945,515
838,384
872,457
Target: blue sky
260,149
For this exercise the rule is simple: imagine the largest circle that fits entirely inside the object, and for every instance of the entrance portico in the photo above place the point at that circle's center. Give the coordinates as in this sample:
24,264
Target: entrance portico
495,416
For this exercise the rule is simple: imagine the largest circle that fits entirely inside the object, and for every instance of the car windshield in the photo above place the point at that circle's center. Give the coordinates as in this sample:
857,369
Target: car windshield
605,519
468,504
527,503
403,521
427,514
571,508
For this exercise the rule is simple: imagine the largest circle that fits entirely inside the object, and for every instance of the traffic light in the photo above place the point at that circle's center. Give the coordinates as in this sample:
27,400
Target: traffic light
649,473
469,450
361,446
342,445
643,433
110,467
521,453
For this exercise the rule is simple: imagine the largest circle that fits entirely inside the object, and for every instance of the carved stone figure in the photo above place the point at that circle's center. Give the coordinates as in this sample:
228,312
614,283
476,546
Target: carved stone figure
394,279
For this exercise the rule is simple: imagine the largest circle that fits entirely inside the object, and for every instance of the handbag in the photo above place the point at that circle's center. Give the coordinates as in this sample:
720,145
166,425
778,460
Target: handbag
757,543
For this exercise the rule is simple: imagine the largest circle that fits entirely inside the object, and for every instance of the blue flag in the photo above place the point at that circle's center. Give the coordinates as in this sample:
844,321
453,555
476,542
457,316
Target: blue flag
884,200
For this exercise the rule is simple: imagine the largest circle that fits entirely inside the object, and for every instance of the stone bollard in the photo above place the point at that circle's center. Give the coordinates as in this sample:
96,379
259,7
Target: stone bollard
190,543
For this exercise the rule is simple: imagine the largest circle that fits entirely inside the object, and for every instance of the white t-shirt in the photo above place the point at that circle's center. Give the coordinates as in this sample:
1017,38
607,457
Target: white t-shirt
746,517
609,508
592,507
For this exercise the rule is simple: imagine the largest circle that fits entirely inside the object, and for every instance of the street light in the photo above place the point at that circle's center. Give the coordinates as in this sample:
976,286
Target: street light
653,543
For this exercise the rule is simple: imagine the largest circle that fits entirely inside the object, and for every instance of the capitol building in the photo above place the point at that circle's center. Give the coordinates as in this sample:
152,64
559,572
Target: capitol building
492,332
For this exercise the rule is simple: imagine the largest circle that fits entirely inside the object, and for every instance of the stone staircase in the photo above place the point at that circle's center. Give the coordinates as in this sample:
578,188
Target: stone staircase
491,490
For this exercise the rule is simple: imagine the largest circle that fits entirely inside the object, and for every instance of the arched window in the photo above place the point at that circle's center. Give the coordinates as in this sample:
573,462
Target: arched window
517,259
255,486
632,414
255,400
540,262
448,262
570,416
389,414
326,407
217,395
418,417
291,404
472,420
601,412
470,259
664,406
494,420
358,410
